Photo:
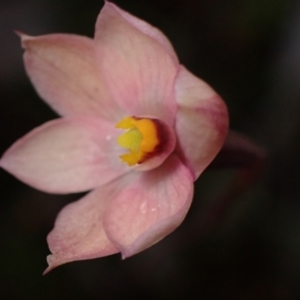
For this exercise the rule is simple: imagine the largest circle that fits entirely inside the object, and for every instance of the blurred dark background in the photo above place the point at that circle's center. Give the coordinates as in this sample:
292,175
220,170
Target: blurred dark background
249,51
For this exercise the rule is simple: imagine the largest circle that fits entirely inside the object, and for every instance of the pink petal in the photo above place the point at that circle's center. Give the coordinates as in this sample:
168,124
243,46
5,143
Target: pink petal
63,69
201,121
138,70
67,155
78,233
151,207
147,29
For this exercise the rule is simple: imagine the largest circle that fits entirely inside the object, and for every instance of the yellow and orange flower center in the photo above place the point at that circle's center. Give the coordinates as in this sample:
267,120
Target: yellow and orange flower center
141,139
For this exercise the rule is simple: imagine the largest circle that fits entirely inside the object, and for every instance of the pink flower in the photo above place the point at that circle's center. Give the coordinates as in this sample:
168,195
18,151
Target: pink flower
137,129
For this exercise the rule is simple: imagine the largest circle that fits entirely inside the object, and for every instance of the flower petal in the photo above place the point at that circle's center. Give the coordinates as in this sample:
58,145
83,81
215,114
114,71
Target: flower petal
78,232
138,70
201,121
151,207
147,29
64,71
66,155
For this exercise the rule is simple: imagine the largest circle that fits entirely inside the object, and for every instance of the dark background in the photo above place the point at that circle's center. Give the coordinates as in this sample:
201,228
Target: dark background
249,51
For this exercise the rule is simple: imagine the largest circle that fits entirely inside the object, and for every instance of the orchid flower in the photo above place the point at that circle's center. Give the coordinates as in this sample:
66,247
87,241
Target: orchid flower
136,130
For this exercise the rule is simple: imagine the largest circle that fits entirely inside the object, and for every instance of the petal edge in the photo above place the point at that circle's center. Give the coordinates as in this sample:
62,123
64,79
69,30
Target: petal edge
201,121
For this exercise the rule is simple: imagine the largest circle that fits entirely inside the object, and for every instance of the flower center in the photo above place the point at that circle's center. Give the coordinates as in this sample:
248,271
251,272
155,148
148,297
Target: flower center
141,139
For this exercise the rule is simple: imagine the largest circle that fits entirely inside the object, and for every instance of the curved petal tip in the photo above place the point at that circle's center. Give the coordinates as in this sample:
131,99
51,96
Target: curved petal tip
201,121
